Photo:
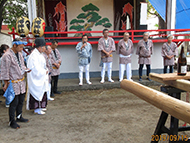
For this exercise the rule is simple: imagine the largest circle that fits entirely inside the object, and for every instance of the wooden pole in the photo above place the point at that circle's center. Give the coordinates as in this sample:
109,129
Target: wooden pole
177,108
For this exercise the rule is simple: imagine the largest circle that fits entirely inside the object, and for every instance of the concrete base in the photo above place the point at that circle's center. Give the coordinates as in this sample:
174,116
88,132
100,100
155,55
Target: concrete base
97,74
72,84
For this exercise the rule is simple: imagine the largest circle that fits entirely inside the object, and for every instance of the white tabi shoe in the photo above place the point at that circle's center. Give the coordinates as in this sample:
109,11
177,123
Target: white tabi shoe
50,99
111,80
88,82
102,81
43,109
80,83
39,112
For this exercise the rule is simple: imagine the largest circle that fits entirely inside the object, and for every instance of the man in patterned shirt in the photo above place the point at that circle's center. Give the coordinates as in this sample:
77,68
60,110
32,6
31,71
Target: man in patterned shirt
125,50
169,51
106,46
46,54
13,68
84,50
145,51
56,62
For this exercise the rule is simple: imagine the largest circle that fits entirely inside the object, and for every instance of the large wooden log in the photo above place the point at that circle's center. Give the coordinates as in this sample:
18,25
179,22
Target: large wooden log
168,104
179,81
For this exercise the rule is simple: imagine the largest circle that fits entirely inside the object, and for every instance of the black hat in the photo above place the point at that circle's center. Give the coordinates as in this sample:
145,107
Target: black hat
40,41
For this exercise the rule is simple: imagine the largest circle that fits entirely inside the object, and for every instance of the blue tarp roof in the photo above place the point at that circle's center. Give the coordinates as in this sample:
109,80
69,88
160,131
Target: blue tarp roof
160,6
182,12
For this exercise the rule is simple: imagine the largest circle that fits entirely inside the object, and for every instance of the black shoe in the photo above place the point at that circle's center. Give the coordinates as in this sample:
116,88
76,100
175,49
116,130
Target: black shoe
14,125
22,120
52,94
57,92
0,101
149,79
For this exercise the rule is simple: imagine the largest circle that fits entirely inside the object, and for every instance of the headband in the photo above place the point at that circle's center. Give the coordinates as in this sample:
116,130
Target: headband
19,43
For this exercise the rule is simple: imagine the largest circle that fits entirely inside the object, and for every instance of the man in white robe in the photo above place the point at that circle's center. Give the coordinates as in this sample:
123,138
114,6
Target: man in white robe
37,79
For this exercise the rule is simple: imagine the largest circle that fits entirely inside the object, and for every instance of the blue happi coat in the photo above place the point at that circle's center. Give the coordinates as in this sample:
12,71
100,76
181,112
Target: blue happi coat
85,54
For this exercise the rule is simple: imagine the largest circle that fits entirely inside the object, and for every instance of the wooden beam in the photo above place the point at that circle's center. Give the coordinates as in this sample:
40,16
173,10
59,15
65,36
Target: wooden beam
170,76
177,108
177,81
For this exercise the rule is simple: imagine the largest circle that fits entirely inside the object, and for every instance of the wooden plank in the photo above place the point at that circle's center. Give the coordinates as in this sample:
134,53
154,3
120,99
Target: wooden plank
168,104
170,76
179,83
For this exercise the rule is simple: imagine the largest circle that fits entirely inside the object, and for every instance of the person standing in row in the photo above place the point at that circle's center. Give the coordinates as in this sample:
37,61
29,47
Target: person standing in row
144,51
106,46
13,68
84,50
4,48
46,54
56,62
37,78
125,50
169,51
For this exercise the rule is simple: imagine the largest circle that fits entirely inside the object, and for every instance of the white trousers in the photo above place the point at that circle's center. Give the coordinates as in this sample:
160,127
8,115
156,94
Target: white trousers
122,68
81,68
49,91
109,66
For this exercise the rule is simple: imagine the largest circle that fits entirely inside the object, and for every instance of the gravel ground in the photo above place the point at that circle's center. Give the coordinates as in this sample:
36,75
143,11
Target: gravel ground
89,116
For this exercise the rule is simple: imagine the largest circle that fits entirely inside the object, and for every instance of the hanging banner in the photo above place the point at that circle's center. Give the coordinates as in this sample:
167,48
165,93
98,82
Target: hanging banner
56,14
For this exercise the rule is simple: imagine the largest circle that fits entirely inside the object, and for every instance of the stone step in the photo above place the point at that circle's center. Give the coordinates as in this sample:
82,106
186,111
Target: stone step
72,84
